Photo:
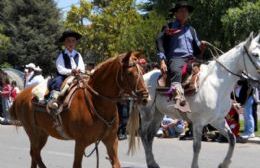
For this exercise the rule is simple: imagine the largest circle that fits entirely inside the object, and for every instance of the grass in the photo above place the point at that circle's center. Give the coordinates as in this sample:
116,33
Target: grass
242,127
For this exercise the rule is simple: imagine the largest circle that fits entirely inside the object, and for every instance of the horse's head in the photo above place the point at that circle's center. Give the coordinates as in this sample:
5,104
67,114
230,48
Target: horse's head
251,57
132,81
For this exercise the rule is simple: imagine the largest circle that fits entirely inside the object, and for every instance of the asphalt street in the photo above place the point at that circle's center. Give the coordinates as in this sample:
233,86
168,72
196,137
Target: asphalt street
170,153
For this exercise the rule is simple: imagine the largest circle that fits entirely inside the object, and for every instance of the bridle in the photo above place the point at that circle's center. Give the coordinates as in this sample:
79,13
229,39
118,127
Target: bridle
121,97
245,75
119,81
134,90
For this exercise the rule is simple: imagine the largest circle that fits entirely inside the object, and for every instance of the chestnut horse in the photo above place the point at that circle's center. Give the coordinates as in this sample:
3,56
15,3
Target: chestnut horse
92,115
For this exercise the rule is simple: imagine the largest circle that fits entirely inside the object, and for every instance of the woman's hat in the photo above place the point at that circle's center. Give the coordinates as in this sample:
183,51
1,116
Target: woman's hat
38,69
30,65
181,4
69,33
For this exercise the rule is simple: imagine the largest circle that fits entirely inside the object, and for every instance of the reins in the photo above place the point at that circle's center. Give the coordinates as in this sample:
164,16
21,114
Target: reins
244,75
107,123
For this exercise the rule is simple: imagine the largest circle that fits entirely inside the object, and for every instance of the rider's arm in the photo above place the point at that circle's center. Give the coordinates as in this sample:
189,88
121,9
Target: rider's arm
200,44
81,65
60,65
159,45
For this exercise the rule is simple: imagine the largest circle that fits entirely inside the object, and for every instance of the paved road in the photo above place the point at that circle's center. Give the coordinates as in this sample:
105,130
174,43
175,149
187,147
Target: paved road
170,153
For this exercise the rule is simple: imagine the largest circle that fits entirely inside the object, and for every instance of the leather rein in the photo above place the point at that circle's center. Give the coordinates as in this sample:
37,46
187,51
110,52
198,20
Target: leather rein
245,74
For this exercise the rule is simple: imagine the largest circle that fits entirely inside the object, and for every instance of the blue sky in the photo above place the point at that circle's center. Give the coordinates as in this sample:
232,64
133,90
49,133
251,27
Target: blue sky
64,5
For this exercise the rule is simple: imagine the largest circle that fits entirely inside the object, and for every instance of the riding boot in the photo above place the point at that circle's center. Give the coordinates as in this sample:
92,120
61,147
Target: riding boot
178,95
53,103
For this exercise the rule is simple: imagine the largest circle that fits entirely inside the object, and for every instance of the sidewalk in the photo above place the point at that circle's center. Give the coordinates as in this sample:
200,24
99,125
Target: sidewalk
255,140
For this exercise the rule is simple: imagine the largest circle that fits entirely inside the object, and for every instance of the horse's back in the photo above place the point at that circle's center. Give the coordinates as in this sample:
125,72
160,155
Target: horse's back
21,104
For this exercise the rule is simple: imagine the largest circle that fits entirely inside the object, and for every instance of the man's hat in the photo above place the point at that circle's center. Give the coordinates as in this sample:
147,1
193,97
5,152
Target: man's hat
30,65
69,33
181,4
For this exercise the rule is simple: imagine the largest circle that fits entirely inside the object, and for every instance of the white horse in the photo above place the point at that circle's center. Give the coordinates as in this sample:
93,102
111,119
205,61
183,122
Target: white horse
211,103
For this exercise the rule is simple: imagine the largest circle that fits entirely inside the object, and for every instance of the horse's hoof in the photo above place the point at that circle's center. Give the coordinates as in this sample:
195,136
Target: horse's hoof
154,166
221,166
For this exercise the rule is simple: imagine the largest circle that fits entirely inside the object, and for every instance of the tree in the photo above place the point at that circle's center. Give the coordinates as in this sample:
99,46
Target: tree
4,43
216,20
240,21
33,27
103,35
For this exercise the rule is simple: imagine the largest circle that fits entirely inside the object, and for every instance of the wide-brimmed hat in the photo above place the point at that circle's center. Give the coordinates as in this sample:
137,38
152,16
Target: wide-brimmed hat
69,33
181,4
30,65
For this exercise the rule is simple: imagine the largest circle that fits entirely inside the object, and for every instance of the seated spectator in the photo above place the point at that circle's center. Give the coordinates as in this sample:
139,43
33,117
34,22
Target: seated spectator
171,127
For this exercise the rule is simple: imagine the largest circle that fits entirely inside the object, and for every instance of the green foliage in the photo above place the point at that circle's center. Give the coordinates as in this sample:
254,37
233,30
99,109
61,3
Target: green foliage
221,22
5,65
142,36
4,44
114,29
240,21
102,37
33,27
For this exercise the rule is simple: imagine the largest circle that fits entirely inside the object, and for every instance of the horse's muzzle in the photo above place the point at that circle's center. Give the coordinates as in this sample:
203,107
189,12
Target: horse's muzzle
142,97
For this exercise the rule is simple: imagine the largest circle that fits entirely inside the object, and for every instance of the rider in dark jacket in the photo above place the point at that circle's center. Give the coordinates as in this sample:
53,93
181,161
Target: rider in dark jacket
176,44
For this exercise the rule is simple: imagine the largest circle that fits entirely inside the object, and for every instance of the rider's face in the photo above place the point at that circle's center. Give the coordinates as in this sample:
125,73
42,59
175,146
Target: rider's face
70,43
182,14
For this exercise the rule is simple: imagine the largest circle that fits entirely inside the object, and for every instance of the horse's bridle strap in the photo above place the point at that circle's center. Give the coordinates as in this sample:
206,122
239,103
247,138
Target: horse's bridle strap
251,60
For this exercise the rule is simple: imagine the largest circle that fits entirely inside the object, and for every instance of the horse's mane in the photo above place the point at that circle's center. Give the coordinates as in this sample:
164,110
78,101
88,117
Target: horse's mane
207,69
106,62
109,61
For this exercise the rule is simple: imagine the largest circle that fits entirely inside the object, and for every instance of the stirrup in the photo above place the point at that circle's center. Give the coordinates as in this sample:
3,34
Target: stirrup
53,105
184,108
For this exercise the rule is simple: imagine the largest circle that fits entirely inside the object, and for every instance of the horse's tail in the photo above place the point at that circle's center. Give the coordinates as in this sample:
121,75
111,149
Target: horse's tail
12,112
14,116
133,128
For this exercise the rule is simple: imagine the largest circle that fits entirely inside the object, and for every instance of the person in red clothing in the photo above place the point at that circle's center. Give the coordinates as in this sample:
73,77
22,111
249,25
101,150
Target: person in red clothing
6,100
15,90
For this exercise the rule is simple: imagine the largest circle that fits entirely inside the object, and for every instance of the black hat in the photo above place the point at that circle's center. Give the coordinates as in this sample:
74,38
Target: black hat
69,33
181,4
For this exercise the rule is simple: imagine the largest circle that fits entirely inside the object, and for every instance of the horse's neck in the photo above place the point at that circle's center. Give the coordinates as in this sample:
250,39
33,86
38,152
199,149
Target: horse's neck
104,80
219,77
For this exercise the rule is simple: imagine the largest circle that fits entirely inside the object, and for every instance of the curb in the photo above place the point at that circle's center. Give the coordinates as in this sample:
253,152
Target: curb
255,140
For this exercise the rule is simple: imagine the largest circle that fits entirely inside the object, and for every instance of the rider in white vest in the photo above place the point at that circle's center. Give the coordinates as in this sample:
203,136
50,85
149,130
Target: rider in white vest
68,62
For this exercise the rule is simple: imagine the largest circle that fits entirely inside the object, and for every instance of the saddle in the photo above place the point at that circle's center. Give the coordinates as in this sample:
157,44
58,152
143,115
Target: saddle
41,94
189,83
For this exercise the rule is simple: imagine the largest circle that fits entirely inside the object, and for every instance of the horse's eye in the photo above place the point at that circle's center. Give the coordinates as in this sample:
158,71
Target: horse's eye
129,73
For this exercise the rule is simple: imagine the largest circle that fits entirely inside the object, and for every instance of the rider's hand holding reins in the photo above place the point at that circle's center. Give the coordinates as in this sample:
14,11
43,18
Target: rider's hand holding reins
75,71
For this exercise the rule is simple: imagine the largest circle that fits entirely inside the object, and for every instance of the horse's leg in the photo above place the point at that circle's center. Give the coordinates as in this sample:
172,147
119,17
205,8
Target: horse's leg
197,133
78,154
224,129
111,143
37,141
149,126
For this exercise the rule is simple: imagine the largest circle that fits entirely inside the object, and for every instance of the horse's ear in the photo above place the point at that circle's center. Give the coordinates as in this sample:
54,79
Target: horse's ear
256,39
138,54
126,58
249,40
